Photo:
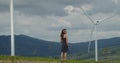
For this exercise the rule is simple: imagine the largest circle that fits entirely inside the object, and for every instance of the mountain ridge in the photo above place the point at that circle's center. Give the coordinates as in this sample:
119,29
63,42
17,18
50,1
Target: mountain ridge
29,46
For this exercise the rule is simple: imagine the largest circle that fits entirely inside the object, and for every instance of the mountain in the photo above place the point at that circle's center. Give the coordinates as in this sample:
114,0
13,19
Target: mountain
29,46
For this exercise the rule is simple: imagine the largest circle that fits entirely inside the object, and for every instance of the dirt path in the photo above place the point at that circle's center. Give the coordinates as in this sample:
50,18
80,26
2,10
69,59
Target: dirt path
27,61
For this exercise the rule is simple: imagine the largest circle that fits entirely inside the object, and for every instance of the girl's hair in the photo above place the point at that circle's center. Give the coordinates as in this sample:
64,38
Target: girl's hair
63,32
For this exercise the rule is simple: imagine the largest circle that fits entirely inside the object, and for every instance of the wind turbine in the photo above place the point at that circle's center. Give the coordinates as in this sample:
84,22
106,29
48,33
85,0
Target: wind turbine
12,28
94,29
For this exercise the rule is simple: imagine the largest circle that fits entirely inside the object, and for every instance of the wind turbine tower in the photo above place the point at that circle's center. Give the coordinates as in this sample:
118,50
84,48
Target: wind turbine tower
12,28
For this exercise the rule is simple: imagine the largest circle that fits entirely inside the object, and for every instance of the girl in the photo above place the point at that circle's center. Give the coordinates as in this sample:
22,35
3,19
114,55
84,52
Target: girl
64,42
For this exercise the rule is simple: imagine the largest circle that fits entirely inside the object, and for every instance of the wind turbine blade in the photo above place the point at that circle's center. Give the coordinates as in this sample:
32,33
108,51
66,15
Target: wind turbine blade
107,18
91,34
87,15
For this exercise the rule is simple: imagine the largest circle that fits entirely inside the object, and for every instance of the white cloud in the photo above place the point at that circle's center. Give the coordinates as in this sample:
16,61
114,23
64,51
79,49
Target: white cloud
87,7
115,1
70,9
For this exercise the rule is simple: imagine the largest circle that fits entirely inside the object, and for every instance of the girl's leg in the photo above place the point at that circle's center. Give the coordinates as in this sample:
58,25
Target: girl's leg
65,56
62,56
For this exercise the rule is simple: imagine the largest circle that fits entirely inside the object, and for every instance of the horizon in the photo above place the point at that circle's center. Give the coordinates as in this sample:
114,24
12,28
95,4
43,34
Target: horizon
58,41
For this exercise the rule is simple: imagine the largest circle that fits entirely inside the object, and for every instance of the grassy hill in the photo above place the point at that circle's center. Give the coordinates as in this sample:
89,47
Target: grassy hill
21,59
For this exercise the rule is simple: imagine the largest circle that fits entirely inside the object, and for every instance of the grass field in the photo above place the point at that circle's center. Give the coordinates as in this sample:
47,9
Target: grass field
21,59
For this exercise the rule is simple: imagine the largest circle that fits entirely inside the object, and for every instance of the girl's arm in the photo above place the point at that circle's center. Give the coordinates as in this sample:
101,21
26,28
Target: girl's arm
60,39
66,39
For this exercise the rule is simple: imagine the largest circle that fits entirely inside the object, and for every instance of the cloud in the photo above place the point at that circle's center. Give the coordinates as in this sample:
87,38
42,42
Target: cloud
87,7
42,7
56,7
108,34
115,1
104,6
65,23
4,23
44,19
69,9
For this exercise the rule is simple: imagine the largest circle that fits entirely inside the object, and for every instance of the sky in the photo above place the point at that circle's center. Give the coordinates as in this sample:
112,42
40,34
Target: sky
44,19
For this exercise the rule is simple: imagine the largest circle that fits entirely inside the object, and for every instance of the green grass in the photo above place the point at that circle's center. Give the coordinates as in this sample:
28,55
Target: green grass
21,59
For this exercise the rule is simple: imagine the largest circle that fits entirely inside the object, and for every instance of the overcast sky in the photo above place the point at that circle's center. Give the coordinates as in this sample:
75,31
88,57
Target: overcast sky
44,19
